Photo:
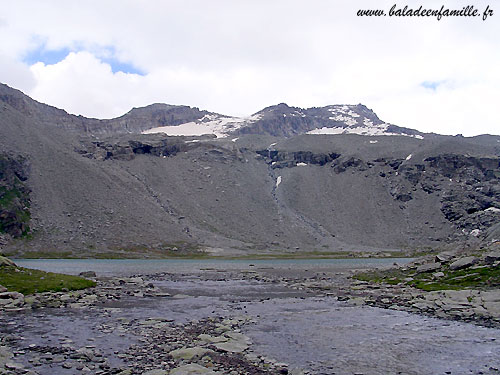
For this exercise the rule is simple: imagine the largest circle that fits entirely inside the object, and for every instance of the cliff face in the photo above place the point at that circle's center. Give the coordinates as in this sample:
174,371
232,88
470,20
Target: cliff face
91,192
14,196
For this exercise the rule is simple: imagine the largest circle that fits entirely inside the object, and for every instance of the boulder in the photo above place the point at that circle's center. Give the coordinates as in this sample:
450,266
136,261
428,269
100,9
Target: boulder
6,262
11,295
444,257
492,257
463,263
87,274
428,267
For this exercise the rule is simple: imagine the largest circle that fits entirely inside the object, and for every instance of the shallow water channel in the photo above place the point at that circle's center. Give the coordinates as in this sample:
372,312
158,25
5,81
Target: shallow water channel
307,330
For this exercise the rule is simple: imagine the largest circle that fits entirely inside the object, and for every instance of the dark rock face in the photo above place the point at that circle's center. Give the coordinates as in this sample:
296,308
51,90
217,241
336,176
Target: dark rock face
154,145
284,159
472,194
14,196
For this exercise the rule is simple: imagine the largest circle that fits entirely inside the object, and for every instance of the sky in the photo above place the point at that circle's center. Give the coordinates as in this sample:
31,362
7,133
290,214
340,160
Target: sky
102,58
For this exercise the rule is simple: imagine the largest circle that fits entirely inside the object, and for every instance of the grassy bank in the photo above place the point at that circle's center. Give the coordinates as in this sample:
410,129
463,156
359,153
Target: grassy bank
28,281
483,277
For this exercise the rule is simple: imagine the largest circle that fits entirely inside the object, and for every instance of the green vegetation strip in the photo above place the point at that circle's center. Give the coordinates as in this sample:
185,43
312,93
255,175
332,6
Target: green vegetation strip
485,277
28,281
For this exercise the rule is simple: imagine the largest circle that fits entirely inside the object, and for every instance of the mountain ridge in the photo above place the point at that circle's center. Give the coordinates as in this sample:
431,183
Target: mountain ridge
345,118
93,193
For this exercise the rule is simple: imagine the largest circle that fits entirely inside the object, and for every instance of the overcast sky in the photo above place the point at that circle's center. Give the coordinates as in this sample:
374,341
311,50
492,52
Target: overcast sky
101,58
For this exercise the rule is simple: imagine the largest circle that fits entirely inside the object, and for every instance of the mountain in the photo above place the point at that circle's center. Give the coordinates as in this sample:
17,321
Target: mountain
280,120
285,179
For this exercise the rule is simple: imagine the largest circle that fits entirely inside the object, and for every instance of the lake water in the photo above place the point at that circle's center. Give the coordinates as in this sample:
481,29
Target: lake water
122,267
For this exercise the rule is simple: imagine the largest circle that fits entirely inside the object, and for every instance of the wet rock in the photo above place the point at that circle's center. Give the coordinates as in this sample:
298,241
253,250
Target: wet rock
14,366
463,263
212,339
192,369
237,343
190,353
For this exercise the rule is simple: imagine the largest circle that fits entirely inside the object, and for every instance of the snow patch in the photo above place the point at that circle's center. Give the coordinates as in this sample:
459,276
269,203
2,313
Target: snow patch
271,146
475,232
493,209
380,129
278,181
345,119
367,122
208,124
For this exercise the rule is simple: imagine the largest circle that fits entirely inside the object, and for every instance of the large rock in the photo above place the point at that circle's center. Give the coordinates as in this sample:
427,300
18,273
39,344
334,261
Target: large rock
428,267
493,309
444,257
6,262
87,274
11,295
463,263
492,257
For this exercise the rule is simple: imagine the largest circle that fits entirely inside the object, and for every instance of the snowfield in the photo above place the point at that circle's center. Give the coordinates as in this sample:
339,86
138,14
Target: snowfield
221,126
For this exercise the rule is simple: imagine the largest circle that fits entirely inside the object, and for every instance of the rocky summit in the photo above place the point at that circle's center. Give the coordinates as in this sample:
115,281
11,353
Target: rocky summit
167,179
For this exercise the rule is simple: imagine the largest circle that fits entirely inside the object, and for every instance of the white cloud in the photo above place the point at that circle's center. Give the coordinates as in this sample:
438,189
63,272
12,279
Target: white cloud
16,74
235,57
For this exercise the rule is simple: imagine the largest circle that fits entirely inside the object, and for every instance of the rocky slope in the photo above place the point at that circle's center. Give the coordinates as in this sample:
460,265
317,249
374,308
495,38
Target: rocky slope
101,186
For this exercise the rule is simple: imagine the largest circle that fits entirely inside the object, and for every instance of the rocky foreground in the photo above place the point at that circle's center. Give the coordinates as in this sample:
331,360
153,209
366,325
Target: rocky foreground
157,345
451,286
